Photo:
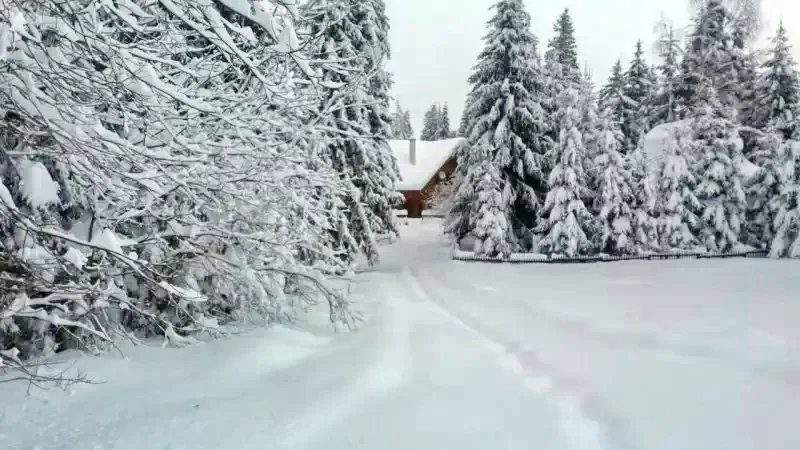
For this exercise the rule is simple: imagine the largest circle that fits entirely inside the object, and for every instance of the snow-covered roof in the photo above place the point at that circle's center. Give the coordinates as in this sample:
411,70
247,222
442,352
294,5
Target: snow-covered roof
431,156
655,142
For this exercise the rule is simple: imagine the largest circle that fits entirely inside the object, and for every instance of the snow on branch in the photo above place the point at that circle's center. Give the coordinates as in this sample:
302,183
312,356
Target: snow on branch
162,171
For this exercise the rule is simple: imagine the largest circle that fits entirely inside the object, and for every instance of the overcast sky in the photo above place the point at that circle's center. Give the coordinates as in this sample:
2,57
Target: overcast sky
435,42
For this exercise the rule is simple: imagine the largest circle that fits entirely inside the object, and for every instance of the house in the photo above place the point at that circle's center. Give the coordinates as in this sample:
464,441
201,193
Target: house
423,165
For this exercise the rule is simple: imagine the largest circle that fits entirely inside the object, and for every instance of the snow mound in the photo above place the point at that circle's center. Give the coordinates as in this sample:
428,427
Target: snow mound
38,188
108,240
655,142
75,257
431,156
5,197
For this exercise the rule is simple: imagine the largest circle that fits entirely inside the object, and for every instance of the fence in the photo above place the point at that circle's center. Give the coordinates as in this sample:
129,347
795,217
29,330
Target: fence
402,214
528,258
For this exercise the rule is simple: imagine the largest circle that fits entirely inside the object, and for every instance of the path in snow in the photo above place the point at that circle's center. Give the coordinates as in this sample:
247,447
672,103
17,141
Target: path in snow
621,356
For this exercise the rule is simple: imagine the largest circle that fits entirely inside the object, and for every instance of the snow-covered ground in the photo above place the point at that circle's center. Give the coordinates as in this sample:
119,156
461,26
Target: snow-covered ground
657,355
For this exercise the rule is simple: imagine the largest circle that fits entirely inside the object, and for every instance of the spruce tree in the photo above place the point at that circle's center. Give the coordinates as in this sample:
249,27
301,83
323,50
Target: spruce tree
777,103
611,95
764,189
430,123
567,225
664,108
401,124
560,73
714,56
443,126
615,196
777,112
409,129
377,178
719,190
645,221
356,33
637,92
745,67
677,204
503,155
786,242
464,123
590,128
563,48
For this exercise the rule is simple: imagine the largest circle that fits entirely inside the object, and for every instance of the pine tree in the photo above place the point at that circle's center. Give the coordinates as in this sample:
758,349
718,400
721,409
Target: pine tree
778,89
615,199
401,124
745,66
567,225
357,33
611,95
786,242
664,108
645,213
714,56
464,123
489,221
380,172
563,48
764,189
430,123
590,128
719,190
677,203
443,130
777,112
560,73
637,92
502,160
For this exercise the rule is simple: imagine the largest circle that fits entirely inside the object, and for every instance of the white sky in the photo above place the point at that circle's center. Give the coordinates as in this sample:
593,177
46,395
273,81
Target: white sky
435,42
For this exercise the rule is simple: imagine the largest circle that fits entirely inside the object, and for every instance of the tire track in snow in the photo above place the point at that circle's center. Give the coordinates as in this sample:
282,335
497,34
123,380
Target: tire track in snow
383,374
585,424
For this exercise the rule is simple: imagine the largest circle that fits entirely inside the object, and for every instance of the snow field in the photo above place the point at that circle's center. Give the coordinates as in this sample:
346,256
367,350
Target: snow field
663,355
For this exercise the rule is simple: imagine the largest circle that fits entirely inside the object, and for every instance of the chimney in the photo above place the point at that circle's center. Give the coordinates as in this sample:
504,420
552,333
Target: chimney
412,151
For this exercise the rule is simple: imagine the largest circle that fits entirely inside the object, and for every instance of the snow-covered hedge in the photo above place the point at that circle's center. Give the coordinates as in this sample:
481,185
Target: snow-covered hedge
162,171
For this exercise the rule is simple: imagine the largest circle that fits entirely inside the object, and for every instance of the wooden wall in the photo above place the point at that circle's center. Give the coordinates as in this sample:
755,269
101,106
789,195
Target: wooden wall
415,200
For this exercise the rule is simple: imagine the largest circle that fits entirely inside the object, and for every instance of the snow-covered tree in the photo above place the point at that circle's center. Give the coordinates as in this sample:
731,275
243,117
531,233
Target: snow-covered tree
778,105
677,204
645,213
611,95
764,188
590,127
786,241
636,93
443,126
563,47
567,225
379,174
615,196
156,172
778,89
503,158
464,122
430,123
715,55
401,123
490,220
719,185
356,33
664,107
